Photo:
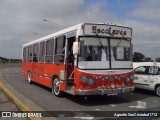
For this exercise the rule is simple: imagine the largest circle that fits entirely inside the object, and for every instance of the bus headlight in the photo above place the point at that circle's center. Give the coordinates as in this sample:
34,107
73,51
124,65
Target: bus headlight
87,80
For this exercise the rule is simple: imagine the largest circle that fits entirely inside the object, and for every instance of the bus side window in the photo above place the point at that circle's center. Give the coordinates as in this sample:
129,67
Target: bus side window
49,51
42,52
30,53
24,54
71,40
35,52
26,57
59,49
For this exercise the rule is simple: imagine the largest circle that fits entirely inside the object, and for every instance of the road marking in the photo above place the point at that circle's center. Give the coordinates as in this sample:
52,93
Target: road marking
155,101
112,105
57,102
140,105
4,100
84,118
97,109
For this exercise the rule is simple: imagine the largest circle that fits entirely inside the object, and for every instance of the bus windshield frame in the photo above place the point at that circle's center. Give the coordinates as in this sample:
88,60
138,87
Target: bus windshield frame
100,52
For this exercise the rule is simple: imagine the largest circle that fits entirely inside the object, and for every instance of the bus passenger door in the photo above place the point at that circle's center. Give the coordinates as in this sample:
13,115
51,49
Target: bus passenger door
59,61
70,62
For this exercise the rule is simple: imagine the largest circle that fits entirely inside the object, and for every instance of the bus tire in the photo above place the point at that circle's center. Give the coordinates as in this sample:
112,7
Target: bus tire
29,78
157,90
56,87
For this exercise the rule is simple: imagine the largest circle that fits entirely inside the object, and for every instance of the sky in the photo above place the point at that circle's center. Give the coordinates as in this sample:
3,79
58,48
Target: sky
21,21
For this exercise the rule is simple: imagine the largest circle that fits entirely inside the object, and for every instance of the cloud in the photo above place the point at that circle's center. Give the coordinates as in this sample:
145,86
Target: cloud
146,38
20,20
144,19
146,10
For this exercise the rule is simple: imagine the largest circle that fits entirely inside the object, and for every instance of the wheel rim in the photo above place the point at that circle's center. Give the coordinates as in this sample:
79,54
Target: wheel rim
56,86
158,91
29,78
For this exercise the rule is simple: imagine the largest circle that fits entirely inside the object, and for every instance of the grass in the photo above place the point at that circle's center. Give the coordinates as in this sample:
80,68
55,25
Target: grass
6,65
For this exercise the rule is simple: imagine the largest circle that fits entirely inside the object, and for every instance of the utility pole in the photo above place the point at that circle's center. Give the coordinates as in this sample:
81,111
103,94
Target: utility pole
89,12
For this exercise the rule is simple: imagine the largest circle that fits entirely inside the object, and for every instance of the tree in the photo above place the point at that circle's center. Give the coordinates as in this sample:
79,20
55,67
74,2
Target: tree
7,60
138,57
148,59
158,59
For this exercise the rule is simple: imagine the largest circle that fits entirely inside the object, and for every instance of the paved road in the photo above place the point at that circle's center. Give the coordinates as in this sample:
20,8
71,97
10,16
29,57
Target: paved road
137,101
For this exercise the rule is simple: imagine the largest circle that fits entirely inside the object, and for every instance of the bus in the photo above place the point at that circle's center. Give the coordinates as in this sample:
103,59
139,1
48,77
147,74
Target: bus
85,59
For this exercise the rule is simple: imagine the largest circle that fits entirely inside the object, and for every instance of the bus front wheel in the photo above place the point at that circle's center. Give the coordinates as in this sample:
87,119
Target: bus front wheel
56,87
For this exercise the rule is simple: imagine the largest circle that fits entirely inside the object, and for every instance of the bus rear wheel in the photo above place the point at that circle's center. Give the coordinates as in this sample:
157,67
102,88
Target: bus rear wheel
29,78
56,87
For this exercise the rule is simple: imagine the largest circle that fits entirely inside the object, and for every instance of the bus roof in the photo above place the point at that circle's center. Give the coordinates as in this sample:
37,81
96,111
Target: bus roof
67,30
74,28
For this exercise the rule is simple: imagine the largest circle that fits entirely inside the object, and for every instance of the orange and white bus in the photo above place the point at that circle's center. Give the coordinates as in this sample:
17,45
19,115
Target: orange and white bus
86,59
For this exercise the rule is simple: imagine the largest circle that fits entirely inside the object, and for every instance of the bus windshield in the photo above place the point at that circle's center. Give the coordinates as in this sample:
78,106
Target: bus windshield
94,52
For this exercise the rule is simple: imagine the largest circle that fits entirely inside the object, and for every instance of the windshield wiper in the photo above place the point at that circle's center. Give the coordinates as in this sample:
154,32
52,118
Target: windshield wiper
101,45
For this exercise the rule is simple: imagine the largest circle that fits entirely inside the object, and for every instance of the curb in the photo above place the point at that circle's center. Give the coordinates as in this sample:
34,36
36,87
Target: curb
22,106
16,97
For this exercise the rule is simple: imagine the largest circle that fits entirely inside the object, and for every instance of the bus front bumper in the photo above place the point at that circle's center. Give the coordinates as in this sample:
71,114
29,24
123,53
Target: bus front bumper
105,91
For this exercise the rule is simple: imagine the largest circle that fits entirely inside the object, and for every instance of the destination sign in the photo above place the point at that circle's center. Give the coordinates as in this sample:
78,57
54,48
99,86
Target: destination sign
107,30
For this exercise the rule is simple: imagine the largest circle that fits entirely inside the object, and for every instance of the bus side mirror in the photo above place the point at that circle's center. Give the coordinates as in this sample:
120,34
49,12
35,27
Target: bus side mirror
76,48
